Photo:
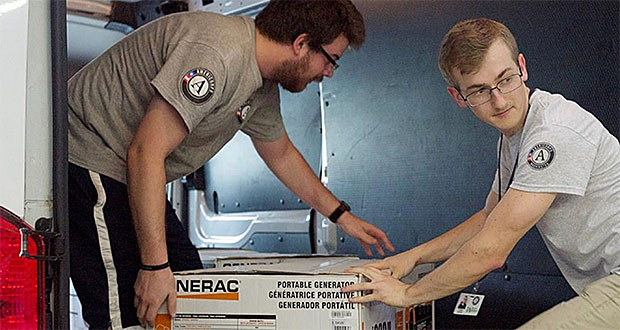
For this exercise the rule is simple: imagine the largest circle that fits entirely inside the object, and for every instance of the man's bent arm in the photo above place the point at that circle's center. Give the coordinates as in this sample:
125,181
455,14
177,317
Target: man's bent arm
285,161
438,249
446,245
513,217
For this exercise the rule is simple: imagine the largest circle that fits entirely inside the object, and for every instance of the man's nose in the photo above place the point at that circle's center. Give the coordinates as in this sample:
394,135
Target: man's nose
328,72
497,98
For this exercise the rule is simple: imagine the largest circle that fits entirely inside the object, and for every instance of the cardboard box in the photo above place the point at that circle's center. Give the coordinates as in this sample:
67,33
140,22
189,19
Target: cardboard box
259,261
213,257
218,258
418,317
421,316
304,294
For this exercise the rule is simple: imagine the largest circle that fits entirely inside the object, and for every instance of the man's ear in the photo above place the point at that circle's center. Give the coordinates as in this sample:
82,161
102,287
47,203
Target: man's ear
456,96
300,44
522,67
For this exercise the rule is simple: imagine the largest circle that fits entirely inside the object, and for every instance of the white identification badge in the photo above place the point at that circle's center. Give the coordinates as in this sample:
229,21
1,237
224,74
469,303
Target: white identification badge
468,304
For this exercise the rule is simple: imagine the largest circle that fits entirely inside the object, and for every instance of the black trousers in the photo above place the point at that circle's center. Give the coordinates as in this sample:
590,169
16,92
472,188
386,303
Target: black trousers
105,258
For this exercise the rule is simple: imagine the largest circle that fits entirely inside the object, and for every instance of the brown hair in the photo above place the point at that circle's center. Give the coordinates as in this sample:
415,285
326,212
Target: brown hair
323,20
466,44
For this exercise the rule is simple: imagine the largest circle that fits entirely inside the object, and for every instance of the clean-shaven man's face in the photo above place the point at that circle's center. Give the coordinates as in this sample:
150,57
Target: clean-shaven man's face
506,112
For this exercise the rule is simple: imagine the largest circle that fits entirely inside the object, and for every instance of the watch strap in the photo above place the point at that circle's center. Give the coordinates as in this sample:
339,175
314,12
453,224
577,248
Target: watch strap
343,207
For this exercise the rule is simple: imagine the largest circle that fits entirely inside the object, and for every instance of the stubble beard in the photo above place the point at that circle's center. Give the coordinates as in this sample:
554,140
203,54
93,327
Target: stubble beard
289,74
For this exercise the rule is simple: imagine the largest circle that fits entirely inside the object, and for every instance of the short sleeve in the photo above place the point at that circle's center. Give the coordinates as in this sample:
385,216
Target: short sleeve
494,187
505,170
192,80
555,159
266,122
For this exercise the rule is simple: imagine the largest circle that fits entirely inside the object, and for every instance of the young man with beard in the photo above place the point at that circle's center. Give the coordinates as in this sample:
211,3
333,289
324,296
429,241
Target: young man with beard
558,168
157,106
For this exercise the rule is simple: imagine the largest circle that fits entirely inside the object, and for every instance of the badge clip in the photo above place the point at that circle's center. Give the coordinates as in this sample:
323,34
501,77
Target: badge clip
469,303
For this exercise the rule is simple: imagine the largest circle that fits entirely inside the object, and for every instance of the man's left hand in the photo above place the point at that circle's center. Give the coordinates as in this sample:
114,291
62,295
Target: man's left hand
384,287
366,233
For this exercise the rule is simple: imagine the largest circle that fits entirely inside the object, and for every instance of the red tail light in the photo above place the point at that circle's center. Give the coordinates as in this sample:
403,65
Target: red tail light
22,291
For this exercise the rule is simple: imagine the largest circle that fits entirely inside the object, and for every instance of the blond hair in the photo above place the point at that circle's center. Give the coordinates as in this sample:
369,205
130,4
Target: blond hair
466,44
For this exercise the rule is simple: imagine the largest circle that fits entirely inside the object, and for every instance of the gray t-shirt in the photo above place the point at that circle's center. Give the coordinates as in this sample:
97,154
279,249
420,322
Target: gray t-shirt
564,149
203,64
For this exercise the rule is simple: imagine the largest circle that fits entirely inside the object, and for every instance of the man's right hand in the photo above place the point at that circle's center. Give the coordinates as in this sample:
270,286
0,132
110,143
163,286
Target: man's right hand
399,265
366,233
152,288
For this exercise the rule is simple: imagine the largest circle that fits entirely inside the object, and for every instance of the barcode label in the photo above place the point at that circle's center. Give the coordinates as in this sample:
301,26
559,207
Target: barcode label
342,327
341,314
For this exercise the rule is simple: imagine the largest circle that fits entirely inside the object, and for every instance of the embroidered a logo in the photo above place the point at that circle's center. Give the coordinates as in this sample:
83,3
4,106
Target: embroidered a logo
541,155
198,85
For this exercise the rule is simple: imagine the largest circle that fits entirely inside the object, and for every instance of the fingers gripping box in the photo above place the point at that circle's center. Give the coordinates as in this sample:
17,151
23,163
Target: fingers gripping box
301,295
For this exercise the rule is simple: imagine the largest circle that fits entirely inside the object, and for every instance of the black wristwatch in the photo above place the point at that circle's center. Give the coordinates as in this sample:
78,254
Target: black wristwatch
339,211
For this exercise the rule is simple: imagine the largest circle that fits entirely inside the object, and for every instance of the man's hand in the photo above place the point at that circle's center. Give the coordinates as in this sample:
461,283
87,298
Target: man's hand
160,132
399,265
366,233
152,288
384,288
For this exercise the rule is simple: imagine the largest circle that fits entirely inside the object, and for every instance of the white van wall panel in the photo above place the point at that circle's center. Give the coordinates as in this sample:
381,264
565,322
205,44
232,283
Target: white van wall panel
13,39
227,7
86,39
38,184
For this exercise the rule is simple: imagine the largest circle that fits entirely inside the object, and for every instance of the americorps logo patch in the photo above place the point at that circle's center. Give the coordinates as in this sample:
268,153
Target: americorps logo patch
242,112
541,155
198,85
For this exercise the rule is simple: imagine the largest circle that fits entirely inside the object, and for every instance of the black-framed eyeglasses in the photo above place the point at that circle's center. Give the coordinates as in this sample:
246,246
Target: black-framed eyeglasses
483,95
329,58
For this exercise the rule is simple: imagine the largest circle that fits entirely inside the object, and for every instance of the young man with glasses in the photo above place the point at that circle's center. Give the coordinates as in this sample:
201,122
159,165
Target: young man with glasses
157,106
558,168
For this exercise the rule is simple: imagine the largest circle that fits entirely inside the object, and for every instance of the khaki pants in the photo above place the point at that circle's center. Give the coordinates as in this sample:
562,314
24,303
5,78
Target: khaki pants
597,307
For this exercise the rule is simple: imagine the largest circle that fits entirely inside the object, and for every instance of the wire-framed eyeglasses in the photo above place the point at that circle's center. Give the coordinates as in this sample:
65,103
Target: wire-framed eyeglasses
483,95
